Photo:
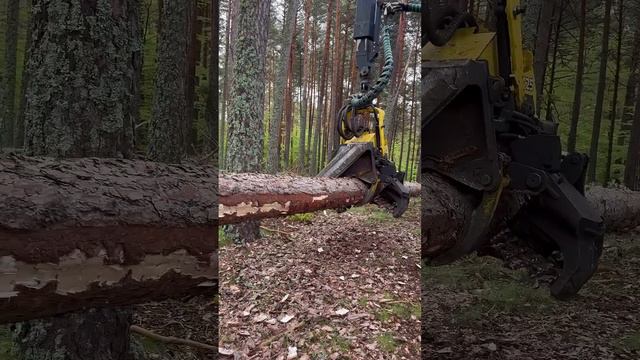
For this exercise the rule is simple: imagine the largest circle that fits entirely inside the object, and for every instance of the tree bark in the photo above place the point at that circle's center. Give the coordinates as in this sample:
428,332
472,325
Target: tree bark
80,101
286,41
306,63
602,83
577,100
191,64
167,137
554,61
230,39
99,332
212,115
71,121
333,139
632,166
245,197
397,80
97,232
317,134
447,209
614,101
246,101
631,90
18,134
10,59
543,39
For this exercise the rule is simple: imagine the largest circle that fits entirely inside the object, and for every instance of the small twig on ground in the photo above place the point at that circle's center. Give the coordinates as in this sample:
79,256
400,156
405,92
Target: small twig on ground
275,231
171,339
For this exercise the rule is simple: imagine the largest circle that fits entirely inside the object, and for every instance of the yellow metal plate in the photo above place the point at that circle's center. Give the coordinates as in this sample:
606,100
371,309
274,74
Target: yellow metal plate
463,45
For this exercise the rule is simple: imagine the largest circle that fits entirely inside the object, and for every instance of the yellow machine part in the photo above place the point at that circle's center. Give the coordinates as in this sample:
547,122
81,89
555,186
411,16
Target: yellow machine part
466,44
370,136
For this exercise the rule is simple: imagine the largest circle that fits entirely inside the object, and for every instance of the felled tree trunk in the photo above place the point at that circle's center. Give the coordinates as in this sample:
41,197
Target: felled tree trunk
91,232
446,210
257,196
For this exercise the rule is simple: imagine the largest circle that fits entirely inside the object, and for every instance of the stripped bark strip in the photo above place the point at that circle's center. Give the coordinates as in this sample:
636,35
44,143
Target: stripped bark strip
92,232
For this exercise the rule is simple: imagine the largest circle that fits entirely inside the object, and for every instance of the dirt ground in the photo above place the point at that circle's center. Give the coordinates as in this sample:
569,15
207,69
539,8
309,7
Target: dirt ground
478,309
193,319
324,286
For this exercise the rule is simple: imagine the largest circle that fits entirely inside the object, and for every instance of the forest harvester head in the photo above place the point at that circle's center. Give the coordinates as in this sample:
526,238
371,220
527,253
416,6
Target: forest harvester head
363,153
481,133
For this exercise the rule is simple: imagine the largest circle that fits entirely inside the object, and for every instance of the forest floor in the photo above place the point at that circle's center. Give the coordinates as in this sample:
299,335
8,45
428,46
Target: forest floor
479,309
324,286
193,319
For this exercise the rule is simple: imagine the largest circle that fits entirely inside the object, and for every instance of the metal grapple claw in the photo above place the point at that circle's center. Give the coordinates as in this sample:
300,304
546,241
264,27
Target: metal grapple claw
561,219
364,162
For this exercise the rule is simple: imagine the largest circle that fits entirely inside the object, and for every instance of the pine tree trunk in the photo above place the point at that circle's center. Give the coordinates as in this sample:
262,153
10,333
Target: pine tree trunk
232,31
316,159
96,334
311,103
402,131
616,86
190,77
633,83
286,41
602,87
398,76
246,101
289,108
554,62
64,119
632,167
214,143
545,25
577,99
305,85
8,118
18,138
167,137
72,122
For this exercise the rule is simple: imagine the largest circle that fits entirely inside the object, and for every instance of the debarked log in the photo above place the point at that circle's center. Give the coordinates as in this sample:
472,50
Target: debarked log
93,232
258,196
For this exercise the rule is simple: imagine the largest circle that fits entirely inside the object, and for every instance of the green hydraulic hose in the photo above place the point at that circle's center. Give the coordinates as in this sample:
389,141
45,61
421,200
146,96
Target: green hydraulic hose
362,100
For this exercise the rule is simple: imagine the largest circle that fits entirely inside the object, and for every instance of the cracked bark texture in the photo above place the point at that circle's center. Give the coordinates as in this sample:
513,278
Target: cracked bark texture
94,329
447,209
81,100
80,95
168,130
138,231
7,120
246,101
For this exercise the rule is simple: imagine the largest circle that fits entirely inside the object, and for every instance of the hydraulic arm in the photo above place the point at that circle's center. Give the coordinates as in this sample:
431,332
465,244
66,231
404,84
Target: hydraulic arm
480,132
360,124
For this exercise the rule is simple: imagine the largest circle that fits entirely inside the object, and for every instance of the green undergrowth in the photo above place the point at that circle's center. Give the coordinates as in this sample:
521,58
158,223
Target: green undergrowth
494,288
305,218
223,239
630,342
387,342
396,309
6,348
